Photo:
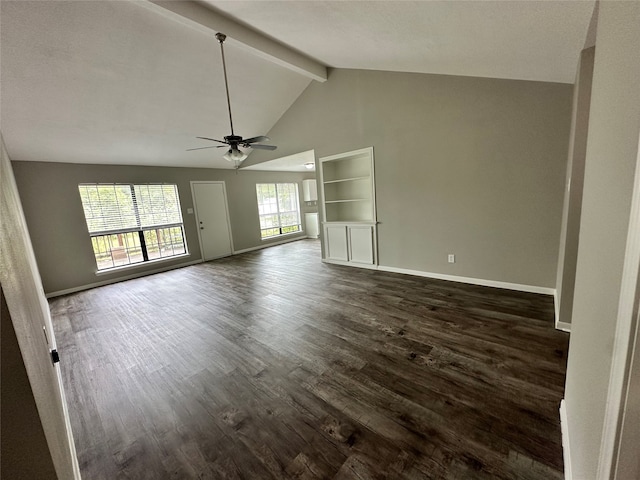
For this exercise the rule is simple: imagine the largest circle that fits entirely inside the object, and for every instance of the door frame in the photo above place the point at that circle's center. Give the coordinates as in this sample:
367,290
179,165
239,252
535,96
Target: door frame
226,207
619,432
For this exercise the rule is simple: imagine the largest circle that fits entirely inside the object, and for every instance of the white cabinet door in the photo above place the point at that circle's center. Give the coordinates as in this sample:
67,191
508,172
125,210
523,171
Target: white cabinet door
336,243
309,190
311,225
361,244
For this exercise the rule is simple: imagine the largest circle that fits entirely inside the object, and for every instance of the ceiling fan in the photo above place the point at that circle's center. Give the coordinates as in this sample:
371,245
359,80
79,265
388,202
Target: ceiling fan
234,141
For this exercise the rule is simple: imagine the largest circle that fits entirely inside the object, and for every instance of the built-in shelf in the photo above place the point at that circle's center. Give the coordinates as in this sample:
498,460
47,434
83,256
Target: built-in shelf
349,208
347,187
352,179
348,200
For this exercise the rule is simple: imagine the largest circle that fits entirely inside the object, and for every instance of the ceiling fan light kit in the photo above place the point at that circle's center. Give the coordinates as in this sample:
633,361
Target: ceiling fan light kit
234,154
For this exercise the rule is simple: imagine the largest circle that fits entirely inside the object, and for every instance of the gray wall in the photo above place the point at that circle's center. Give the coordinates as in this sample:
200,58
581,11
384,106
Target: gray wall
470,166
51,202
23,446
29,312
570,233
612,149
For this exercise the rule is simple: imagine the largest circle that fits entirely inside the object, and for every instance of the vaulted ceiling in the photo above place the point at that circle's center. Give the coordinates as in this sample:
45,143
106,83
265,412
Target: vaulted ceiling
134,82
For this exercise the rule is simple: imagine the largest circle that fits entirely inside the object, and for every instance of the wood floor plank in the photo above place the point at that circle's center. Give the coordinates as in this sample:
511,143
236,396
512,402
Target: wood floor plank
272,364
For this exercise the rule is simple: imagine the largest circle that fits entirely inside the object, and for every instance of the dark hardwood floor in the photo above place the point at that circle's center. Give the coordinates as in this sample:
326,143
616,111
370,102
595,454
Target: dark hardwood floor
273,365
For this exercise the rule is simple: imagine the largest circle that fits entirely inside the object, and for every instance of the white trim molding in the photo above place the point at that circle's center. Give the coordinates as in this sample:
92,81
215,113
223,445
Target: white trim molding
566,451
564,326
352,264
473,281
625,347
120,279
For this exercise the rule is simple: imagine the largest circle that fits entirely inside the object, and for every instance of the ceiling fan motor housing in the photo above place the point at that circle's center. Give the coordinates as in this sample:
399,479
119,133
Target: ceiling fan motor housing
231,139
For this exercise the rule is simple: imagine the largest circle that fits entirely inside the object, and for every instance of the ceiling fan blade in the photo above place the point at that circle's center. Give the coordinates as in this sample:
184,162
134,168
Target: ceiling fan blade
202,148
260,138
213,140
261,147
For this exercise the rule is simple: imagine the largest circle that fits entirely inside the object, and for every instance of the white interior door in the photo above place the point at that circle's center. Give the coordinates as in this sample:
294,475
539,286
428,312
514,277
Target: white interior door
212,217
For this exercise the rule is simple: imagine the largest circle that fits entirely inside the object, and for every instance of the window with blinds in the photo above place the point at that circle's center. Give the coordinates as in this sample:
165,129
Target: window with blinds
278,208
131,224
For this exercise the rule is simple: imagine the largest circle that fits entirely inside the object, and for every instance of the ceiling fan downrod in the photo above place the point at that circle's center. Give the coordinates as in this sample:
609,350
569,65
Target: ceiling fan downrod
221,38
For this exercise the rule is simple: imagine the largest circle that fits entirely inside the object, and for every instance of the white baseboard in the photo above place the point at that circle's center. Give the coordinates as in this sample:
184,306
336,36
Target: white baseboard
270,244
566,452
158,270
474,281
120,279
351,264
564,326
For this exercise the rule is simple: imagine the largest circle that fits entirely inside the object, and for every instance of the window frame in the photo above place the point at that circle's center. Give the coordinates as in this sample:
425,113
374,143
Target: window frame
141,229
279,213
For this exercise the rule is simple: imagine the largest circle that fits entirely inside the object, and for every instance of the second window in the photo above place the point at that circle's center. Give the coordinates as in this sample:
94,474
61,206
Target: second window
278,208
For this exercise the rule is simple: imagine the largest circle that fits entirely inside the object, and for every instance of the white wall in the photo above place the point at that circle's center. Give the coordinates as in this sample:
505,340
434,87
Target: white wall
612,150
29,313
570,233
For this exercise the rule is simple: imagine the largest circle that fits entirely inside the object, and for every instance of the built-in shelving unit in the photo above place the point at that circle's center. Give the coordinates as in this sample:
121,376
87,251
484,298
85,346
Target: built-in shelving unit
347,186
348,207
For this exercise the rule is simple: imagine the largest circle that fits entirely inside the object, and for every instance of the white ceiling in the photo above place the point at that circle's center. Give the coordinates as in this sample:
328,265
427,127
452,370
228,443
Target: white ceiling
121,82
290,163
525,40
115,82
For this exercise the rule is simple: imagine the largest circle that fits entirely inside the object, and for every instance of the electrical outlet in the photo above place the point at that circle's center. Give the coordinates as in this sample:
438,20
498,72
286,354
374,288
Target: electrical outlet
452,258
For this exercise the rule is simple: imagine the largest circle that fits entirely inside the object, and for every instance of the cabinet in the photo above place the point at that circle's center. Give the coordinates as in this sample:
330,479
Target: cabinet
350,243
349,208
309,190
336,243
311,225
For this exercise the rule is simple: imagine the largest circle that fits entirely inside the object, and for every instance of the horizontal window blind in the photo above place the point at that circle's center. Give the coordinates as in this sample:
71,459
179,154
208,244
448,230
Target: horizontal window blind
132,223
157,205
108,207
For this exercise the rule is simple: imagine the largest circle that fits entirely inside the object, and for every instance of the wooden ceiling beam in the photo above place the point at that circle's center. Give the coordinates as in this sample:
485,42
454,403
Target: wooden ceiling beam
199,16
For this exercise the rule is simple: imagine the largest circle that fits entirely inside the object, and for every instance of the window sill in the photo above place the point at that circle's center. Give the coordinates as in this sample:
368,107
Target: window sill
134,266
